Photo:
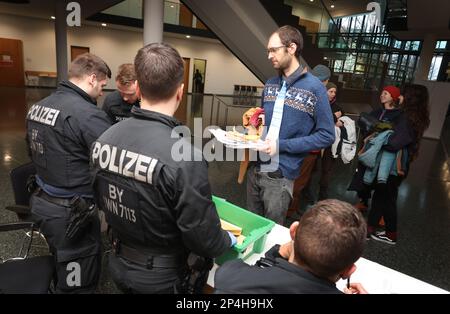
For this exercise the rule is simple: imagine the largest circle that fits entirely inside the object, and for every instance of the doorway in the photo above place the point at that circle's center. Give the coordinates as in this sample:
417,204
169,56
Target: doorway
11,63
199,74
75,51
181,114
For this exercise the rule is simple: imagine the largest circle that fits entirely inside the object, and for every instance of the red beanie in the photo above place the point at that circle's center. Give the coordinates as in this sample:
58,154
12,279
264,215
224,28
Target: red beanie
394,91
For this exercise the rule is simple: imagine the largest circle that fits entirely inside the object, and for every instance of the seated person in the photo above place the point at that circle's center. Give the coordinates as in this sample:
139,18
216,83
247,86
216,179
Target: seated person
326,243
118,104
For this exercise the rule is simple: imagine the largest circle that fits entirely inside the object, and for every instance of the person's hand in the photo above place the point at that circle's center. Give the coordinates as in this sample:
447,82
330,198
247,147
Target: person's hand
339,124
263,119
269,147
355,288
338,114
286,250
232,238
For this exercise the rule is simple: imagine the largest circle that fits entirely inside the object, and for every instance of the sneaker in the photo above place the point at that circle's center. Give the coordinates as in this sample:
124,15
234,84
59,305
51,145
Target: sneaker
381,236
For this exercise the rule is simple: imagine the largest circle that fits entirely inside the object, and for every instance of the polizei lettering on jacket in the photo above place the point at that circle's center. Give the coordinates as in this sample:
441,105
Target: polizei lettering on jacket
43,115
124,162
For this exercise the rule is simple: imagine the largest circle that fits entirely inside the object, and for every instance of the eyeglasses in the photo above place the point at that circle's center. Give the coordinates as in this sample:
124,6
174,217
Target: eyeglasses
273,49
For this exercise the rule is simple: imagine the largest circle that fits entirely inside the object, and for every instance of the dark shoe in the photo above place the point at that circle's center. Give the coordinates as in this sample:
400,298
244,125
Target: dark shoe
381,236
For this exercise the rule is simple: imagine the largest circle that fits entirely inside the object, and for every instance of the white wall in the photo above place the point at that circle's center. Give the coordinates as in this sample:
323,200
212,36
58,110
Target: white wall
223,70
38,37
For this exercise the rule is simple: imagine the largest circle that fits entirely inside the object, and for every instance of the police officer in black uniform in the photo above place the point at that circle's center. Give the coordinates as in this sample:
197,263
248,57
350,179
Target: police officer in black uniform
159,207
60,131
118,104
326,243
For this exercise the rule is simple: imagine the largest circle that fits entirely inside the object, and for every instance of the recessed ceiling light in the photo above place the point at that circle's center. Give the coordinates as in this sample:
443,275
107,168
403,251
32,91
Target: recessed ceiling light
172,6
311,0
325,58
104,24
332,6
52,17
188,36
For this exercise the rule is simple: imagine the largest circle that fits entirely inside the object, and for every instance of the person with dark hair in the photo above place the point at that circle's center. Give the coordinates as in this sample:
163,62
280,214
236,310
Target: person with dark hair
299,120
60,131
327,160
159,209
118,104
409,125
326,242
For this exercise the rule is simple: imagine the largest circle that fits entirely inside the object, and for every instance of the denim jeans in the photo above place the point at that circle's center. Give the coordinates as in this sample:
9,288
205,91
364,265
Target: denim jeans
268,197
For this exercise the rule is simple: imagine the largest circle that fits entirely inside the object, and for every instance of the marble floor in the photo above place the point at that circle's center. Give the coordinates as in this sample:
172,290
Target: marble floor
422,250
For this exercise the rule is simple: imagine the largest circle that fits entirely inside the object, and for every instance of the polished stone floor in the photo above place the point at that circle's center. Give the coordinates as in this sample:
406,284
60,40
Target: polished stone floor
423,247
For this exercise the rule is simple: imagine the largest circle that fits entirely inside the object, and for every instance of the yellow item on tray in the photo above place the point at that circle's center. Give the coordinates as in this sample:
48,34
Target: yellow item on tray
235,230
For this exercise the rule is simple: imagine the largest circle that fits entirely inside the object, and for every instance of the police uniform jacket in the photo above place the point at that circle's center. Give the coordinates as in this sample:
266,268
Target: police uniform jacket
153,202
282,277
60,131
116,108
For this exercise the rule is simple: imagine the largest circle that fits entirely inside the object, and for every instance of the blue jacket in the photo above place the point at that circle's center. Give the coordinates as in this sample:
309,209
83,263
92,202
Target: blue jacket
307,122
381,163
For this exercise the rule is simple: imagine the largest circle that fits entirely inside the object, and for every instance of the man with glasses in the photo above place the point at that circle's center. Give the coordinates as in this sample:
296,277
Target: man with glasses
298,120
118,104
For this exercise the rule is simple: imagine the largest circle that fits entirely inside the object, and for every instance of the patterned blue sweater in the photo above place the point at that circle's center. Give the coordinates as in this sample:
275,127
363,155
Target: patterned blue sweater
307,123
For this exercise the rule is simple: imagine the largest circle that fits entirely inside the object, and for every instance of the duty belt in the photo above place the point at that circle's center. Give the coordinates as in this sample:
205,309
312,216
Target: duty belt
147,260
66,202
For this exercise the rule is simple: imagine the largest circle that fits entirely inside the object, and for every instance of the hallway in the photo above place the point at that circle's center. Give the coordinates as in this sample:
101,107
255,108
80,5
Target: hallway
423,247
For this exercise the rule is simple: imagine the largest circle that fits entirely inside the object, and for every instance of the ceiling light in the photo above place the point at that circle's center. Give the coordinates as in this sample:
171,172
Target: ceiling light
52,17
188,36
104,24
311,0
325,58
172,6
332,6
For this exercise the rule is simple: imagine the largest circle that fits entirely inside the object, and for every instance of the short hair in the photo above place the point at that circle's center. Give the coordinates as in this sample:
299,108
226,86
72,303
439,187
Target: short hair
331,236
159,70
288,35
126,74
87,64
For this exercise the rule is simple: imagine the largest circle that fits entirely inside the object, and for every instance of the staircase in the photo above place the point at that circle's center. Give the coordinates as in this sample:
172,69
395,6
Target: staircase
282,15
244,27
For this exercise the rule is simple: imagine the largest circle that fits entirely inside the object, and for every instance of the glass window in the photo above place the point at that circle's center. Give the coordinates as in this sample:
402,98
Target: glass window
397,44
434,69
349,64
345,24
412,60
441,44
415,45
338,65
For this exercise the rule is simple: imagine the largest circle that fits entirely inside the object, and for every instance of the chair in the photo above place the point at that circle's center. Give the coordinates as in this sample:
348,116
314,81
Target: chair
23,274
19,177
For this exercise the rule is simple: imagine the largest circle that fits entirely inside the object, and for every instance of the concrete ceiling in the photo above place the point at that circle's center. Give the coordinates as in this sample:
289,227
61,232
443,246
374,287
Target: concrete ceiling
341,7
425,19
46,8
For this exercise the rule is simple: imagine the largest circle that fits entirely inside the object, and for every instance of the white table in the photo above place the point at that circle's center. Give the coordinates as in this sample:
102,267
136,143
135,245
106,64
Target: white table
374,277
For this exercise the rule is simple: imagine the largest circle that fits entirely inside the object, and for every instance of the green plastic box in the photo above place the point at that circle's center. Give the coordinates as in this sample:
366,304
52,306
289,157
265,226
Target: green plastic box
254,227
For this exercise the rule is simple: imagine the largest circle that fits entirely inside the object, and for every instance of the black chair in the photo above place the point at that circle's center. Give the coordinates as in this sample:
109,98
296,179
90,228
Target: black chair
23,274
19,177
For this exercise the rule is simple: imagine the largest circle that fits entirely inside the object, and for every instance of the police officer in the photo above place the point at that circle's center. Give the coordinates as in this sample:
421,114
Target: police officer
60,131
159,209
119,103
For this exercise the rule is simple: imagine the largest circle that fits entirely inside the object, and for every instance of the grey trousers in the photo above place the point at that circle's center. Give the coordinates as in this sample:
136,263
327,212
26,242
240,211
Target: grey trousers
268,197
